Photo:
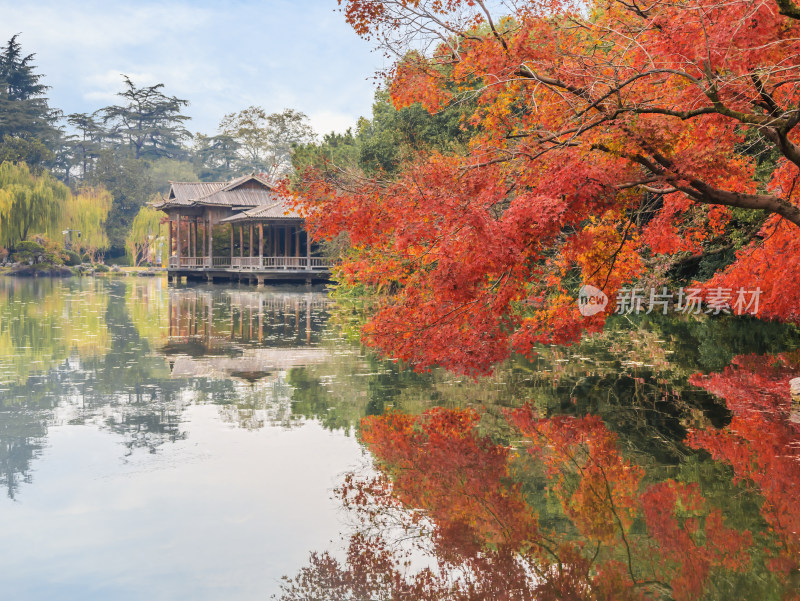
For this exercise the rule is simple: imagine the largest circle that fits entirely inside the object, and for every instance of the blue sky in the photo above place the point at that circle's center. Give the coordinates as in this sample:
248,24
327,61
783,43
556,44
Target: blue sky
221,56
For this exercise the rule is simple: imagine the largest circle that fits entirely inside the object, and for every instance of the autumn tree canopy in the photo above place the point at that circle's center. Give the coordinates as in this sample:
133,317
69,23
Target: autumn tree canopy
610,142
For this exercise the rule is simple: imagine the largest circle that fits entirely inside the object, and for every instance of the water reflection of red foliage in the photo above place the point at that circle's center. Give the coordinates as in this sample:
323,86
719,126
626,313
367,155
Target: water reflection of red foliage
761,444
452,492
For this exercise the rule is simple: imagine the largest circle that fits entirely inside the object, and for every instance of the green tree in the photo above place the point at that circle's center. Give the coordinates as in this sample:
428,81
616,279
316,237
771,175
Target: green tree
28,129
29,203
87,142
265,142
130,185
149,124
86,212
163,171
147,236
381,143
336,151
216,158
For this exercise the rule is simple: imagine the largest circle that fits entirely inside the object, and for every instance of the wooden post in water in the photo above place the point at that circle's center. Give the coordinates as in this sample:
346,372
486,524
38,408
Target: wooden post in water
260,319
308,319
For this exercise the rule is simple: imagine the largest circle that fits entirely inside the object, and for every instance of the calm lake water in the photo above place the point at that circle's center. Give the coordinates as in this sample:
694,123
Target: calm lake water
188,443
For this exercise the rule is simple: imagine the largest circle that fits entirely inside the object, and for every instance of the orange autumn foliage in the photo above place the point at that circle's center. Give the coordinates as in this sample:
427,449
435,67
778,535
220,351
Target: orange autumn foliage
602,133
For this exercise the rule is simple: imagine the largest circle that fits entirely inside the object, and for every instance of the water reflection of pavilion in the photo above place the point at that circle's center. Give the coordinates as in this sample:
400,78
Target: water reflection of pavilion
243,334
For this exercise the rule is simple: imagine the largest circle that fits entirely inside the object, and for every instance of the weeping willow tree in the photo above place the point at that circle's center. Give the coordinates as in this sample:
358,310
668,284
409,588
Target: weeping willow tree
147,236
86,212
40,204
29,203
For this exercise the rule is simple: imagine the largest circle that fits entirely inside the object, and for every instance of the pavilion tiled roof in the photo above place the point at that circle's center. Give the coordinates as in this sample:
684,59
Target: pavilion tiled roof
228,194
184,192
278,210
241,197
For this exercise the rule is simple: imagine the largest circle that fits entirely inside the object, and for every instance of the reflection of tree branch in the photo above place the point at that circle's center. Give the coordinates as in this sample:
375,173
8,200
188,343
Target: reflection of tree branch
788,9
607,496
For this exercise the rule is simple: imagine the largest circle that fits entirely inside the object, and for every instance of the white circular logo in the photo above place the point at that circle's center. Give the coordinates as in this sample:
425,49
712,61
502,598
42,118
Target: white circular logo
591,300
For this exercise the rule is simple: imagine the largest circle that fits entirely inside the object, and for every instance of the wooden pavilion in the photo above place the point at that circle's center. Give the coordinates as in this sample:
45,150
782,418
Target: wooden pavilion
264,237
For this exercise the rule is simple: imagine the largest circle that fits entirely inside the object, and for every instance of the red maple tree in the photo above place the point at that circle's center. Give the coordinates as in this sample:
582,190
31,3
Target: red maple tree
607,138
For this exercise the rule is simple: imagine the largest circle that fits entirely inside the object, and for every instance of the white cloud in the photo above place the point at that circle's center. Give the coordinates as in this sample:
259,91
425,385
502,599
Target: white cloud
221,56
325,122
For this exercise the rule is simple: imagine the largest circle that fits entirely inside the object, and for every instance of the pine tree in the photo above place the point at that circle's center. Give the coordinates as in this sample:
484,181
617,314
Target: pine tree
150,123
28,129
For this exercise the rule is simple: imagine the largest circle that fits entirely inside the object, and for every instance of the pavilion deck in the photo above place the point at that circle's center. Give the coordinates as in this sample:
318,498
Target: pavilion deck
250,269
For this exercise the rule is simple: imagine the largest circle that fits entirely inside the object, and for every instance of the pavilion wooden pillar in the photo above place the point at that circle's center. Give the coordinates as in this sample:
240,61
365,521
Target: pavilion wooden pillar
251,241
193,227
202,241
210,243
286,242
178,240
308,250
260,244
241,241
232,226
297,242
171,238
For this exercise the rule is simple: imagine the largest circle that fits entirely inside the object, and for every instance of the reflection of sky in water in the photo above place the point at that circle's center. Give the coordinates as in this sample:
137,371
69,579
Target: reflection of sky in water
221,515
127,480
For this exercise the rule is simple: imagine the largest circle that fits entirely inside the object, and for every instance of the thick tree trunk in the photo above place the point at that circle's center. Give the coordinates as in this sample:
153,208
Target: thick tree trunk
704,193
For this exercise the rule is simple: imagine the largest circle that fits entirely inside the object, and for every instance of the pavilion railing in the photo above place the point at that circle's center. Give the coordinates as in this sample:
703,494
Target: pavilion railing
251,263
222,262
280,263
189,262
245,263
